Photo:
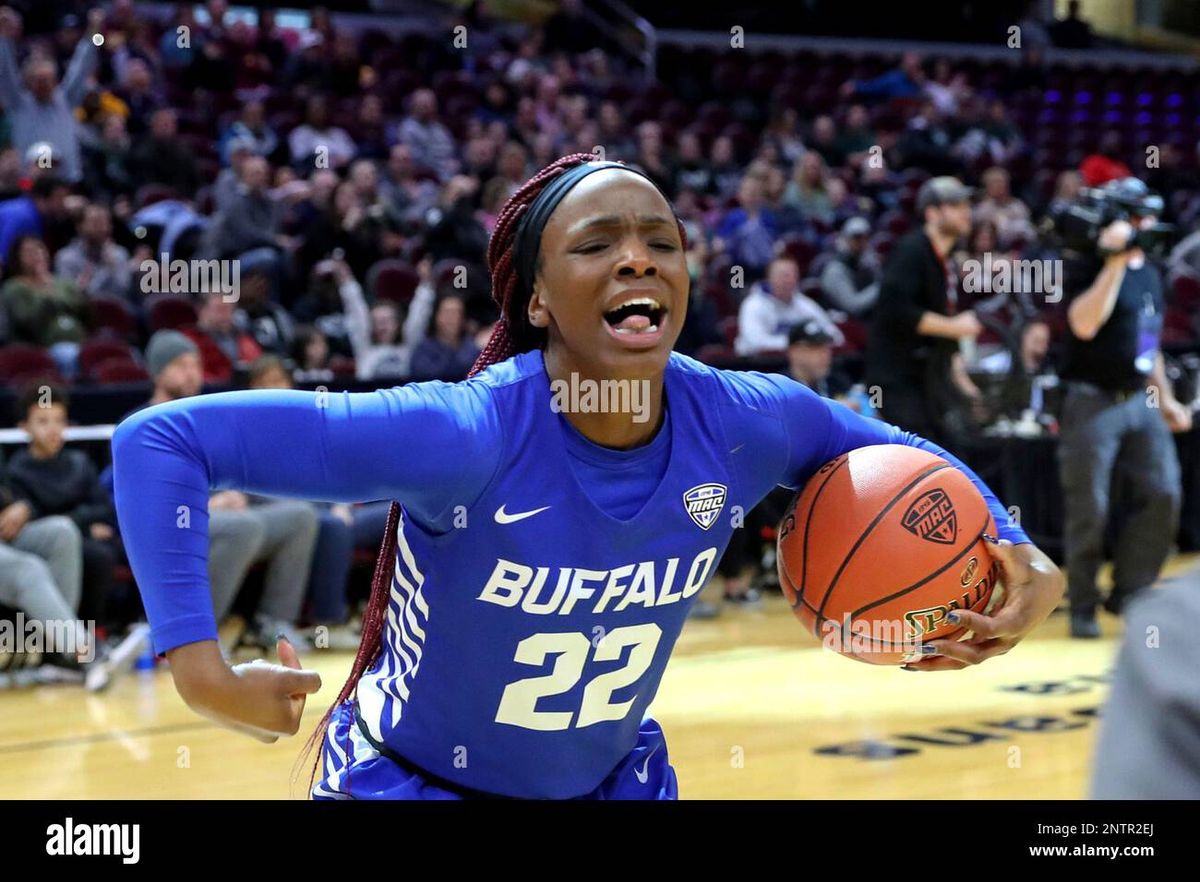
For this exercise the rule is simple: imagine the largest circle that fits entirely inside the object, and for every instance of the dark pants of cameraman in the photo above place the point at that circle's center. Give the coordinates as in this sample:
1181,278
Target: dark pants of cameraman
1103,431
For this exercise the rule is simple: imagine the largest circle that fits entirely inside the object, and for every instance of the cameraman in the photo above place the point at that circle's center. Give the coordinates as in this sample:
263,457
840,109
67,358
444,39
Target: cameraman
1119,411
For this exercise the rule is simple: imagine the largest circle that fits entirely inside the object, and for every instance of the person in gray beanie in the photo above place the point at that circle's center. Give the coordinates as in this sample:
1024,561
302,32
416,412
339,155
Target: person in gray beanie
173,362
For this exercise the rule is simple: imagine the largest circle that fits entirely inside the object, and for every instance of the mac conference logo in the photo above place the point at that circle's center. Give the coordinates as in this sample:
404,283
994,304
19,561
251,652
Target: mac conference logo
704,503
932,517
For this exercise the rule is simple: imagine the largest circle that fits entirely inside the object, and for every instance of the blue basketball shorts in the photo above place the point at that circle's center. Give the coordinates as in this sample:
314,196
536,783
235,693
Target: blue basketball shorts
352,768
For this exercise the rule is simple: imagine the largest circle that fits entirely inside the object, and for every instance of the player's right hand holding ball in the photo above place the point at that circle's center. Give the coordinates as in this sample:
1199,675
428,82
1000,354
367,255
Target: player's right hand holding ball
260,699
1033,587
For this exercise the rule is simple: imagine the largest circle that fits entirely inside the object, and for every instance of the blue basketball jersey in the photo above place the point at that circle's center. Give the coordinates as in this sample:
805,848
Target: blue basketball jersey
527,627
575,611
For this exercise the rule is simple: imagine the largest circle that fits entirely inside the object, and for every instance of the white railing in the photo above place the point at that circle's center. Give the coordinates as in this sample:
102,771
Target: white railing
71,433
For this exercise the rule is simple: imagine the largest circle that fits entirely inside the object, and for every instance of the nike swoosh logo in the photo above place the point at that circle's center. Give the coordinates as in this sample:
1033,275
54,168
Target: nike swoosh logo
643,774
739,447
502,517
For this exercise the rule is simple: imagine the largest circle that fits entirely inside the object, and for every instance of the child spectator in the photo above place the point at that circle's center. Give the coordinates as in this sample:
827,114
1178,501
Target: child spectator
53,480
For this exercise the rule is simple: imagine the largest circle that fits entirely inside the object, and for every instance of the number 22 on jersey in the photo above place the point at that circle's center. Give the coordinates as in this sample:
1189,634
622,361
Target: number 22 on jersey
518,703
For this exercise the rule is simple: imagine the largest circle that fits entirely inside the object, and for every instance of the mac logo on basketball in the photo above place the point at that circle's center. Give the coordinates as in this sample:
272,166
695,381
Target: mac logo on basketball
704,502
932,517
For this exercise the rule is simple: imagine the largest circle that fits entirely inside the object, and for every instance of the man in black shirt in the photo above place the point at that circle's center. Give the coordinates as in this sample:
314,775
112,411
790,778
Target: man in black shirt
913,351
1119,411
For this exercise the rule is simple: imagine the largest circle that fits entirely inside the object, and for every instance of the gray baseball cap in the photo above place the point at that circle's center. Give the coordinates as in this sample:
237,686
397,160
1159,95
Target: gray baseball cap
943,190
809,332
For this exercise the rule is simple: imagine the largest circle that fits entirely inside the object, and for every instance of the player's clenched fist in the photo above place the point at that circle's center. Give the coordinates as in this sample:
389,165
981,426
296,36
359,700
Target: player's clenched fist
259,698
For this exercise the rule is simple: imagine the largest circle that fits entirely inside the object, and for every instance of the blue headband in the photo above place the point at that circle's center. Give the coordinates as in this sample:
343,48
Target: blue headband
528,240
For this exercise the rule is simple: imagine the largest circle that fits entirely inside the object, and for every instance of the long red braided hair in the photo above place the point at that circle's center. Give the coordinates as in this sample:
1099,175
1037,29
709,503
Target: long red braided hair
512,334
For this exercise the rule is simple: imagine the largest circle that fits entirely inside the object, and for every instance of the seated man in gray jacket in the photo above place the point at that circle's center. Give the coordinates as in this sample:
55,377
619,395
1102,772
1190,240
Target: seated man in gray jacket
850,280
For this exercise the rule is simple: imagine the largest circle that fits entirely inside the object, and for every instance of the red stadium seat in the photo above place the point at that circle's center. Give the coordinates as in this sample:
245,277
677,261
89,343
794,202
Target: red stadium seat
285,120
1177,328
881,243
799,249
715,115
742,136
895,222
855,333
170,311
916,176
342,366
676,114
205,201
729,329
716,354
148,194
722,298
719,268
99,350
391,279
821,225
1185,293
208,168
812,288
115,315
120,370
22,362
761,76
444,272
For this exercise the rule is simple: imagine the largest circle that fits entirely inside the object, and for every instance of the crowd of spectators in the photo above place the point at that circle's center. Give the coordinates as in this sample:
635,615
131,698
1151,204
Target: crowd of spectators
354,177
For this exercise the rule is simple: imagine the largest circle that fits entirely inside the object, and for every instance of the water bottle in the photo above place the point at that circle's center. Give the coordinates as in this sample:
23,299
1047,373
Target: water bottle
858,394
147,660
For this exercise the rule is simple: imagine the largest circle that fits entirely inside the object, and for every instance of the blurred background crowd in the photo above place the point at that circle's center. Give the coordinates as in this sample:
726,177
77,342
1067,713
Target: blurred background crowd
354,170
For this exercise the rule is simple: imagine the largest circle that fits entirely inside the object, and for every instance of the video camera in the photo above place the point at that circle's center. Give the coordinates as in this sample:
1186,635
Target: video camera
1076,227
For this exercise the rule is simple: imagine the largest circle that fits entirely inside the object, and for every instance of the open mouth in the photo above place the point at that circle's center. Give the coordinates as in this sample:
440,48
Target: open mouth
642,315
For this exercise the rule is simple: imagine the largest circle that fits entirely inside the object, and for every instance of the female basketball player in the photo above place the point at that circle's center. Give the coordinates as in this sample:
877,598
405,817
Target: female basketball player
543,555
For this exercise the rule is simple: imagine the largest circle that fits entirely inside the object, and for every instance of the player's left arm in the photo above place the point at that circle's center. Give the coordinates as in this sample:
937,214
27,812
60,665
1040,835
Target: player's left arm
820,430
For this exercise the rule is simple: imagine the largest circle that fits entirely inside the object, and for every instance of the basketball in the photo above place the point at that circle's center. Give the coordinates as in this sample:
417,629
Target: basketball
880,546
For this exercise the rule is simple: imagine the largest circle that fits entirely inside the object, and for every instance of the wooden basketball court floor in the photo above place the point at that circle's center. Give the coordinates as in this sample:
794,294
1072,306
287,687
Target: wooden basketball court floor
752,708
